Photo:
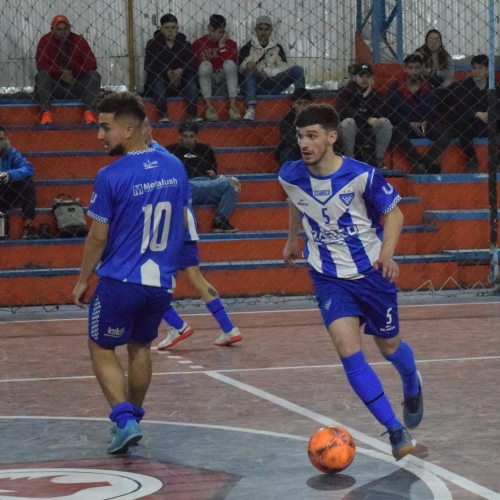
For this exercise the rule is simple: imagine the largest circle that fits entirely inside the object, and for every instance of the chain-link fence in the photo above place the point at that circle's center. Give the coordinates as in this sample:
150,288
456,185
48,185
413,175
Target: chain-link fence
436,146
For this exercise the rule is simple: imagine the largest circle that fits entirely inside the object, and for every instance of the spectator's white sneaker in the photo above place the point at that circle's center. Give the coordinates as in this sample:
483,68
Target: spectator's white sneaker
229,338
249,114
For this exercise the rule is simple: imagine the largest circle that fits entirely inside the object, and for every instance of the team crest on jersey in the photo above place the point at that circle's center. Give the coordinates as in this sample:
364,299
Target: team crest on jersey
150,164
346,198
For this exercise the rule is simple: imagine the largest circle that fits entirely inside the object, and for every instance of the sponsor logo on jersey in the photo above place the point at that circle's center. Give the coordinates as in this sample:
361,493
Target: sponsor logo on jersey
114,332
93,197
318,193
302,203
327,304
139,189
190,155
339,235
150,164
346,198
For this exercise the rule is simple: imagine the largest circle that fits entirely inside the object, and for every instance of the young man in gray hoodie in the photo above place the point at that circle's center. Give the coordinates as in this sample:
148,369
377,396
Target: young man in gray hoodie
262,61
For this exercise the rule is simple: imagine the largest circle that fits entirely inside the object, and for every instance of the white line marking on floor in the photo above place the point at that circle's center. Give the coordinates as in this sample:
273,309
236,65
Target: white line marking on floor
305,309
434,483
364,438
184,361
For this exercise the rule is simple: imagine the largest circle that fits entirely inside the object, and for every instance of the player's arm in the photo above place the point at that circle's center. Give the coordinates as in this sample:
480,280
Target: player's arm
292,247
92,252
393,224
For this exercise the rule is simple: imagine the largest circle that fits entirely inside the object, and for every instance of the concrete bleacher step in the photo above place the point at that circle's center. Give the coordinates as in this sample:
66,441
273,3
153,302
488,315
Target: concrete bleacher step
244,278
67,112
242,246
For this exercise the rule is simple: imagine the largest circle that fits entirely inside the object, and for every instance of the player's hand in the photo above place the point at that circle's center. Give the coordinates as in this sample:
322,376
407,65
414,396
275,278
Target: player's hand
224,39
291,252
4,177
211,174
390,270
374,122
483,116
79,294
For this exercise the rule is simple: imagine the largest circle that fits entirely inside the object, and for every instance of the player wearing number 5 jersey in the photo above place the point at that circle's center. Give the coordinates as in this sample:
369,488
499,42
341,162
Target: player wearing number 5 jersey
138,209
340,202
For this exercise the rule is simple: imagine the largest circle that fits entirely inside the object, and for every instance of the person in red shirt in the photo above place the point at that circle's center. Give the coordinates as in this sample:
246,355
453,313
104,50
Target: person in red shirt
66,70
216,57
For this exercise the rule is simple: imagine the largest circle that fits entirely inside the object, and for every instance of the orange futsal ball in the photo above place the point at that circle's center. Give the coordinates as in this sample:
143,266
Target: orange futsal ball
331,449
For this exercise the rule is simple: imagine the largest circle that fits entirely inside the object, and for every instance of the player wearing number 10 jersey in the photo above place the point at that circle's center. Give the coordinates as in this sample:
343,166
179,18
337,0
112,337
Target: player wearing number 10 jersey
138,208
340,203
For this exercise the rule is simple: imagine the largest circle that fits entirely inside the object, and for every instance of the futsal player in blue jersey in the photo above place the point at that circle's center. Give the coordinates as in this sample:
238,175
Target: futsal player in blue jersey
340,202
139,212
190,264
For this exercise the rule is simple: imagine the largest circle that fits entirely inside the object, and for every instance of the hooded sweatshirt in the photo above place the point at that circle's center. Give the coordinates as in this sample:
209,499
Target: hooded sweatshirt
270,58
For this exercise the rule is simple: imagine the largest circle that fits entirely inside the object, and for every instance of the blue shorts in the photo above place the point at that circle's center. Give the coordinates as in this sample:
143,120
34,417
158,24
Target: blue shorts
189,255
372,298
120,312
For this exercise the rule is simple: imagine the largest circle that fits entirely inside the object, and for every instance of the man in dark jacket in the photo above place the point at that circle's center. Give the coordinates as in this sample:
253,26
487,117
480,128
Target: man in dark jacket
288,148
16,184
471,109
169,68
207,187
363,113
66,70
412,104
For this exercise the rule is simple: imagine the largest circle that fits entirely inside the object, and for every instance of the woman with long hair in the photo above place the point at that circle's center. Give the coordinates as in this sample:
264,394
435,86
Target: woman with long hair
438,68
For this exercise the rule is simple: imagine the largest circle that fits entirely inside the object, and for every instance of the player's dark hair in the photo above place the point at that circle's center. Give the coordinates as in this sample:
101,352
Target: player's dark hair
318,114
189,126
2,129
413,58
217,21
123,104
168,18
480,60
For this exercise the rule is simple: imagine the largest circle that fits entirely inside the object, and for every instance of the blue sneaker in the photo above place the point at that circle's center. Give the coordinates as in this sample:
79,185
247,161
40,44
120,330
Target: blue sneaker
401,442
413,410
123,438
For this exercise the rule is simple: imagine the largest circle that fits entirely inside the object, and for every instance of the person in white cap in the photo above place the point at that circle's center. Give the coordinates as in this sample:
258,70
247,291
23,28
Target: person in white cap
263,63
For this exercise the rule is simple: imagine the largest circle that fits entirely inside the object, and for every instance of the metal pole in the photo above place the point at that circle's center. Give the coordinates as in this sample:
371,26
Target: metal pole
492,149
399,28
130,44
377,21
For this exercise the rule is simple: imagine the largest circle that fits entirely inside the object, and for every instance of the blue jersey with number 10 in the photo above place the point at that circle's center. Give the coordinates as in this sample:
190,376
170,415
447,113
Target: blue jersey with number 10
142,196
341,215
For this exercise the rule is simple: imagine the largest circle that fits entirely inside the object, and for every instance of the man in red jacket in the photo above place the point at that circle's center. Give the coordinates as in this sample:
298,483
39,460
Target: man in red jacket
216,58
66,69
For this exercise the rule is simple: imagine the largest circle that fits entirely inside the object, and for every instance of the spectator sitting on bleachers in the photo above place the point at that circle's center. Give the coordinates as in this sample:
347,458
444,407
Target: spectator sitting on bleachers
288,148
16,184
437,65
216,57
169,65
207,188
412,104
264,66
66,70
471,109
363,116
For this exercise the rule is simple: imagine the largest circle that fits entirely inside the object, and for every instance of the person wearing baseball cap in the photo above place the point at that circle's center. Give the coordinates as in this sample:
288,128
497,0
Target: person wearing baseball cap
366,132
263,63
67,69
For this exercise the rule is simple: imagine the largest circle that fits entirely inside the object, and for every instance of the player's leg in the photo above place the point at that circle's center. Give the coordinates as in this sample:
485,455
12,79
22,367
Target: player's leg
110,325
139,375
230,333
400,354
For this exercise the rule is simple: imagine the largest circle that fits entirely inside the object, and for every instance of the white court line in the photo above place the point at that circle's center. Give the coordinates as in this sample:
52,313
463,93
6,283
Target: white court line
433,482
241,370
306,309
460,481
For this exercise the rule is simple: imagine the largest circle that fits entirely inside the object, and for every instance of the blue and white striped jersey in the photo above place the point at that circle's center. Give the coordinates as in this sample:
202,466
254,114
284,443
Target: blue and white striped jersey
341,215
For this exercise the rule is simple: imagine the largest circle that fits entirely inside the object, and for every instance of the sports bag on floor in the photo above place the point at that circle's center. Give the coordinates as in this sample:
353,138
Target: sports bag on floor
70,218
